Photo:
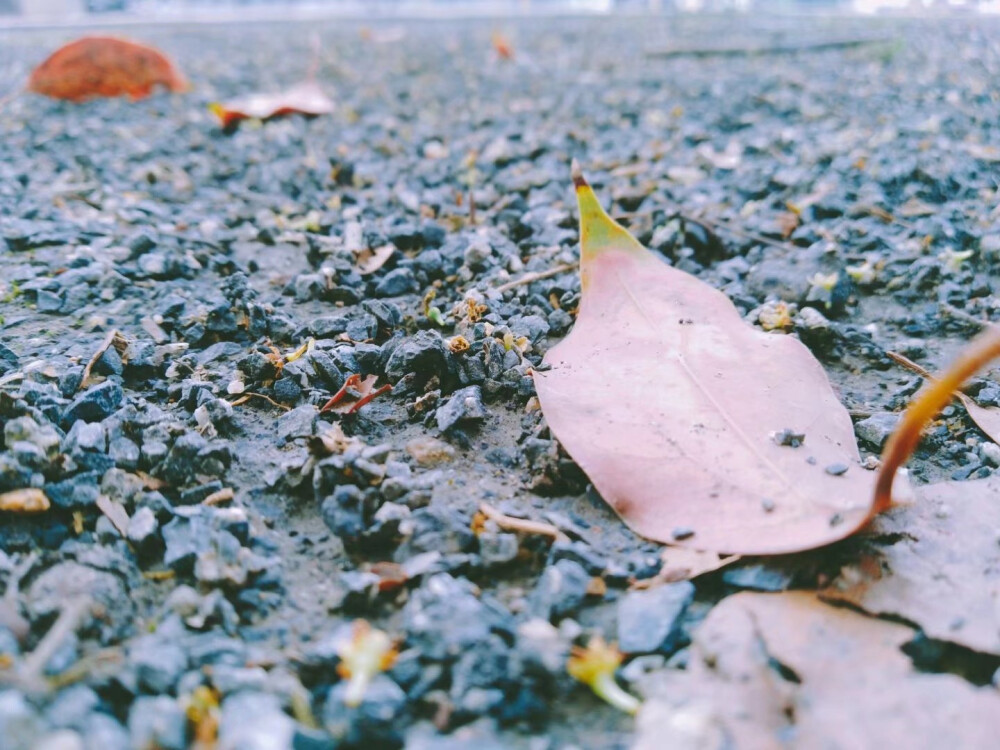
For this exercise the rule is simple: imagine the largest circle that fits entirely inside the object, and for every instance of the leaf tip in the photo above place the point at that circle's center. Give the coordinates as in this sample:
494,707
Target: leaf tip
576,173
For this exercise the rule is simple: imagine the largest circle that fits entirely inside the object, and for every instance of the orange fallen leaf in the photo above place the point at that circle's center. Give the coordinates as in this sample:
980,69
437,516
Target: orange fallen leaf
502,46
97,66
391,575
306,98
669,401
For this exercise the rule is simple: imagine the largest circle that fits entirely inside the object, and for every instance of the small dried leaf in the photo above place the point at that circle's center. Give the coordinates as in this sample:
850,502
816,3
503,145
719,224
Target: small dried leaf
682,564
115,512
306,98
368,260
332,442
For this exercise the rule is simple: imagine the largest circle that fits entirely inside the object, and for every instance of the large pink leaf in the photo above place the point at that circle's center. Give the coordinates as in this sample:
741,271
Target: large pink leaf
669,402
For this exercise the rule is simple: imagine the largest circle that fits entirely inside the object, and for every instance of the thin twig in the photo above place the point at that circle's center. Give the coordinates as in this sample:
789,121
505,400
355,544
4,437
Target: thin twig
723,224
247,394
104,346
788,48
66,624
713,226
10,96
115,512
315,55
885,216
219,496
86,667
113,337
909,364
16,575
520,524
954,312
529,278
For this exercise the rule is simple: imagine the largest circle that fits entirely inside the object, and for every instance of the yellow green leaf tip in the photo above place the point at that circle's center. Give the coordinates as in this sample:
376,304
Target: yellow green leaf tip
595,667
598,231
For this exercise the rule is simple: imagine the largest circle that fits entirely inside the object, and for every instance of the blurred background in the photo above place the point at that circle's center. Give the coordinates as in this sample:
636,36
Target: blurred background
34,12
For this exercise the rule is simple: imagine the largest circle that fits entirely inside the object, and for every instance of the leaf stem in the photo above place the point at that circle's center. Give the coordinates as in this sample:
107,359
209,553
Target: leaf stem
606,688
938,394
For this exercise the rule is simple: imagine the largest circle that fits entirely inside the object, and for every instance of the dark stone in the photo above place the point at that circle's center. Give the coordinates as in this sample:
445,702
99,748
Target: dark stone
72,707
13,474
141,243
424,355
20,725
445,617
157,662
8,360
464,407
435,529
110,618
287,391
581,552
110,363
326,369
397,282
478,676
95,404
757,577
179,466
343,512
157,722
649,621
498,549
877,428
257,367
376,722
837,469
255,721
143,533
80,491
433,234
560,591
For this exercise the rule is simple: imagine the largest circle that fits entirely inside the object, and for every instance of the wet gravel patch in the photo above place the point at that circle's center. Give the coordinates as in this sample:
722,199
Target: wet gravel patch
211,533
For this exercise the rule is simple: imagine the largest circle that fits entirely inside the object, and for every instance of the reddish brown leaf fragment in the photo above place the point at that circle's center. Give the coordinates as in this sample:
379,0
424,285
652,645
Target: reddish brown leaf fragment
99,66
356,392
502,46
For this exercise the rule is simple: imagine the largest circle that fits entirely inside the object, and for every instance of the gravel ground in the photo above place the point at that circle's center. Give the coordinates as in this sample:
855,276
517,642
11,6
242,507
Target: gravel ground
856,184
